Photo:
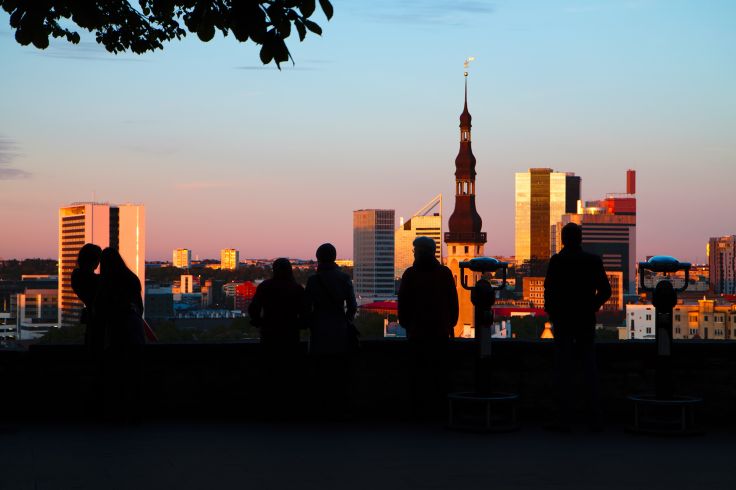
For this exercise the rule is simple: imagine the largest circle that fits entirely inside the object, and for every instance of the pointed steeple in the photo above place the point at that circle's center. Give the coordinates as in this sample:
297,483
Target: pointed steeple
465,221
465,117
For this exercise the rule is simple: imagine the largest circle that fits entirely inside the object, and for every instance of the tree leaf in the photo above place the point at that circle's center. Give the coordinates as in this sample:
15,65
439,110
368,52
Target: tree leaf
300,29
206,31
265,54
327,8
312,26
307,7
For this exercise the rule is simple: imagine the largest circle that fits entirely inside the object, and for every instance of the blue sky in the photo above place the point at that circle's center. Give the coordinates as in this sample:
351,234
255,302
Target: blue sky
227,153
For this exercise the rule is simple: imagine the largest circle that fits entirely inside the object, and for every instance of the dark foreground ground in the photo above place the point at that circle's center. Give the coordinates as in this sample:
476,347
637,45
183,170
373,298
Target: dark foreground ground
209,455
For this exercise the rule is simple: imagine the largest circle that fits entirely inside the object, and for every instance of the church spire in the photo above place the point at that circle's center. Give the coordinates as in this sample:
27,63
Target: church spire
465,220
465,117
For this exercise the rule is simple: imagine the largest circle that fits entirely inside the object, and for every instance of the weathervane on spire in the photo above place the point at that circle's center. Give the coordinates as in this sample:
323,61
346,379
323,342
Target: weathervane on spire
466,63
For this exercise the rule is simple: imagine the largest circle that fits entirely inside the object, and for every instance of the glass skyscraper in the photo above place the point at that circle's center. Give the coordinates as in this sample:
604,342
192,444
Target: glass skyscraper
373,254
542,197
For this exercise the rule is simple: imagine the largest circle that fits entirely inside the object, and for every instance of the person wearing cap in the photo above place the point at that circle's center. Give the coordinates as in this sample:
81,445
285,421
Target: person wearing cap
428,310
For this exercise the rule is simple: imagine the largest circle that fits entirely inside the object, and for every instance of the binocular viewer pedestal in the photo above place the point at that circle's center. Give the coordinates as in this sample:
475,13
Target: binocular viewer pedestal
664,412
482,410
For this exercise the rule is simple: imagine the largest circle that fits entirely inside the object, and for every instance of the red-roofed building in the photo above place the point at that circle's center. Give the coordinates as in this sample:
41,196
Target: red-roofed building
381,307
244,295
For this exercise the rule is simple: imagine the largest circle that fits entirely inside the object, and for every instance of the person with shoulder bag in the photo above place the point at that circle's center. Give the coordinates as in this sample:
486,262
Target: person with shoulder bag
333,336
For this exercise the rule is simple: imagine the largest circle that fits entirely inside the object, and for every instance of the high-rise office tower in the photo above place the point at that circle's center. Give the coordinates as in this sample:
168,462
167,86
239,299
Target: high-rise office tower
464,238
609,230
122,227
722,264
542,197
229,259
373,254
425,222
182,258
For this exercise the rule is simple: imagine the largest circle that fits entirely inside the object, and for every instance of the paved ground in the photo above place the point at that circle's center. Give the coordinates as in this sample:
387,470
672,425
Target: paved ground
176,455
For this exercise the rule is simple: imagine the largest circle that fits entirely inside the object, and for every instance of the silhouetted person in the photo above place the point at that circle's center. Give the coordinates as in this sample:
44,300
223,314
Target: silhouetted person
428,310
119,310
278,309
86,284
332,307
575,288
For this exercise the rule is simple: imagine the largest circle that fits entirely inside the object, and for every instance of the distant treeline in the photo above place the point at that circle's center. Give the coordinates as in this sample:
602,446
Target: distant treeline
13,269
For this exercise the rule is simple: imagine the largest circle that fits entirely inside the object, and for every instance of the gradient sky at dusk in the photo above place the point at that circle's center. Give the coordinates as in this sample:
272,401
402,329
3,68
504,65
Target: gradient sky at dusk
227,153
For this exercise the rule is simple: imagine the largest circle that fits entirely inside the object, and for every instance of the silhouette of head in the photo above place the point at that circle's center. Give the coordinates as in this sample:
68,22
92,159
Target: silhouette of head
282,269
89,257
572,235
424,247
326,253
112,264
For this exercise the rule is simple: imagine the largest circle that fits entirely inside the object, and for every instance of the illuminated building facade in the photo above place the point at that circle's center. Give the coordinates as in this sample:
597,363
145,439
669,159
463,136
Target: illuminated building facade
373,255
229,259
542,197
122,227
609,230
464,239
722,264
533,291
706,319
425,222
182,258
244,293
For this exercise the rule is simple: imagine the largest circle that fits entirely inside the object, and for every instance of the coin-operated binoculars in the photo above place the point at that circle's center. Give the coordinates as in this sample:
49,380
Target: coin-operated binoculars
482,409
664,412
664,299
483,297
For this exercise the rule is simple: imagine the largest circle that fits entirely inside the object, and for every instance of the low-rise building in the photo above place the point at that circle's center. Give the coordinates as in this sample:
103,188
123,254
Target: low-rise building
708,319
533,291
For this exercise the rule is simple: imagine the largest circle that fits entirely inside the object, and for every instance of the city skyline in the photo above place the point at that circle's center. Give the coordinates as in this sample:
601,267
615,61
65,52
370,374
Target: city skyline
374,122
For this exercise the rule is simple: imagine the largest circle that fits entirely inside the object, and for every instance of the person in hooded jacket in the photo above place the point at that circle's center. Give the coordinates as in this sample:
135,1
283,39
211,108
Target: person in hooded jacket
428,310
278,310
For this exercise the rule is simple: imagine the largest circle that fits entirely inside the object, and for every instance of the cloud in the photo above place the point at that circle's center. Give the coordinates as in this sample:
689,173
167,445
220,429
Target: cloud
273,68
428,12
8,153
85,50
198,185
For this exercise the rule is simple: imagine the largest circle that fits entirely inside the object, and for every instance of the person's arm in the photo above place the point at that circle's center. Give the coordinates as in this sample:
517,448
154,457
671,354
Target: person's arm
602,286
551,286
403,299
255,307
350,302
304,308
453,303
